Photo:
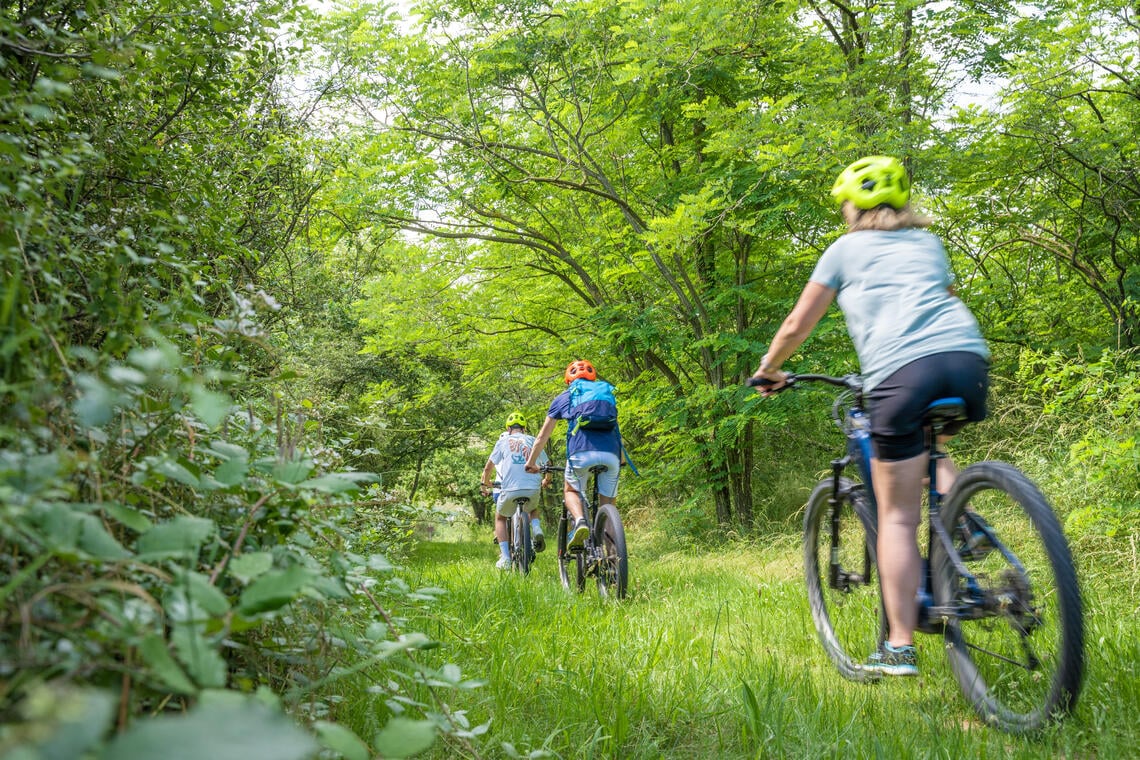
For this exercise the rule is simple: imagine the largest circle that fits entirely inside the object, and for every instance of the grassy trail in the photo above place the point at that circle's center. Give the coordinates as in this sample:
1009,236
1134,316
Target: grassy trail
714,655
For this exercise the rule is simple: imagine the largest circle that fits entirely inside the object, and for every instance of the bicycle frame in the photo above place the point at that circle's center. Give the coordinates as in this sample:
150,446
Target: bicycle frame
602,555
996,663
589,511
516,530
851,417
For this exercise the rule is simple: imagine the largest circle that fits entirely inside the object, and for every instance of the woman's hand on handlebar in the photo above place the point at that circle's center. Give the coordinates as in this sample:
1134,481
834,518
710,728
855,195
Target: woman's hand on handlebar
768,381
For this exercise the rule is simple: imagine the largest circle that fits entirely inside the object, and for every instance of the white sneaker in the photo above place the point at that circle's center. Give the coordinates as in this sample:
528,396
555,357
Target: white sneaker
579,533
504,563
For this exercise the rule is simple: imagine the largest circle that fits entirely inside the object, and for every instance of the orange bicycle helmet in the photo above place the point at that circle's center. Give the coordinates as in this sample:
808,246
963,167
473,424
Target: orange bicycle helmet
579,369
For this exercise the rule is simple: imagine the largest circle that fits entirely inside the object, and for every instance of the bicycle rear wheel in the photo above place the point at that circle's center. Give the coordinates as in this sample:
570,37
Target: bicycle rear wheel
570,564
1020,664
521,553
844,595
613,562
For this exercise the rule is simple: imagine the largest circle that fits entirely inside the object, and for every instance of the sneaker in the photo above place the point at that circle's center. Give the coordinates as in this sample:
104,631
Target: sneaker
504,563
539,542
889,661
578,535
975,542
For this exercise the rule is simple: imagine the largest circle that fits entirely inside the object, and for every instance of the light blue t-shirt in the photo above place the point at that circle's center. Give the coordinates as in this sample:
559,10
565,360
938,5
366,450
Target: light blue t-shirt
893,290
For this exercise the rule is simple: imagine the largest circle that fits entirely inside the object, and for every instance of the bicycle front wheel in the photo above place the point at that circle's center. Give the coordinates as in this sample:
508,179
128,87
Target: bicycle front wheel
521,553
613,563
1016,645
570,564
839,563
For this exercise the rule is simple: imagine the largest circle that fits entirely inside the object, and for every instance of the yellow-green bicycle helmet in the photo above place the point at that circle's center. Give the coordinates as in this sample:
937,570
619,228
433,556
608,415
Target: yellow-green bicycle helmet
516,418
872,181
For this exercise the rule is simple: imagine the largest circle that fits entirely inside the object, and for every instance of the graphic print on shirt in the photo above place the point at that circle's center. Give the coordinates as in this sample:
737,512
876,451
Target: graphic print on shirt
510,455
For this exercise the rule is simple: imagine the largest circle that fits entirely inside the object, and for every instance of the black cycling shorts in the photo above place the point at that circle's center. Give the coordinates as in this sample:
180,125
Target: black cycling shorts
896,405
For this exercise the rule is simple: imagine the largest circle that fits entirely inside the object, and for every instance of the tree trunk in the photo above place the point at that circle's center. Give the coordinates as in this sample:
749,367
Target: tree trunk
419,469
479,508
723,505
740,477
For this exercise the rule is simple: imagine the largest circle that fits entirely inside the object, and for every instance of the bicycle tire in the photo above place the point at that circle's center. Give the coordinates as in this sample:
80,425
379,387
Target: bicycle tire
568,559
848,615
613,561
521,552
1037,607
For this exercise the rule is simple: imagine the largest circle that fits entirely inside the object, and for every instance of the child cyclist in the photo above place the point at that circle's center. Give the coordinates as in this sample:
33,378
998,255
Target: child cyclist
586,446
508,462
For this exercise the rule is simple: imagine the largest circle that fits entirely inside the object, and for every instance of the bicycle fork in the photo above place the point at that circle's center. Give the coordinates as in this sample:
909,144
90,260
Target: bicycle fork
837,577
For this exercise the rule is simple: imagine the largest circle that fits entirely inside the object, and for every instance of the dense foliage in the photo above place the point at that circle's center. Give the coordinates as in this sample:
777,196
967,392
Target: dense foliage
273,276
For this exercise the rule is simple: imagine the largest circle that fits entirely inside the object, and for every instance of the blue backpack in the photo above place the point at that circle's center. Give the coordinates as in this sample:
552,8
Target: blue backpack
592,405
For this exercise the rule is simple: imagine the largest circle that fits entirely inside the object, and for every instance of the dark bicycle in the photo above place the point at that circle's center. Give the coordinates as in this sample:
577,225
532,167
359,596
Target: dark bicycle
518,535
998,582
603,555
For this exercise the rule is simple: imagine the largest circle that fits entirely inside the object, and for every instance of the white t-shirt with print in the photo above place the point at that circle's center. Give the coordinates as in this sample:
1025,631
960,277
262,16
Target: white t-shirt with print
509,457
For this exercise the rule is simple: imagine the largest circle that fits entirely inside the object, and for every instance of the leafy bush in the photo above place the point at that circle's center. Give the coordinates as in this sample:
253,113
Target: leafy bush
181,553
1099,402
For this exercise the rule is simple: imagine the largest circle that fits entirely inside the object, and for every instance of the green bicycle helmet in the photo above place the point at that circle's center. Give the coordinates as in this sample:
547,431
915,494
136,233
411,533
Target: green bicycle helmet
873,181
516,419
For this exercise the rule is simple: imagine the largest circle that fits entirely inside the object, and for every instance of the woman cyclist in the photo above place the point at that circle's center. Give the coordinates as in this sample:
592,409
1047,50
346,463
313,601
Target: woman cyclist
916,343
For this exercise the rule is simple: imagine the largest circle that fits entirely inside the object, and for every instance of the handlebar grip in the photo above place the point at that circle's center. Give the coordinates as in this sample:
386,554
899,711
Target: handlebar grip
761,382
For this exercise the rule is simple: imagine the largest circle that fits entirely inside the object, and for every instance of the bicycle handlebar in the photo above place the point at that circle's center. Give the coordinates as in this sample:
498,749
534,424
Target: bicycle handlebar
850,382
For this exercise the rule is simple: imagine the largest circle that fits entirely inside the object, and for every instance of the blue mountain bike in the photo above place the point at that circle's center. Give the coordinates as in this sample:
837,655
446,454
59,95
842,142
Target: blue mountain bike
998,582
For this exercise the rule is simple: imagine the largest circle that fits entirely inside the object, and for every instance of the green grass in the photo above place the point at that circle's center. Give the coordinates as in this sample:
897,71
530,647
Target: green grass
714,655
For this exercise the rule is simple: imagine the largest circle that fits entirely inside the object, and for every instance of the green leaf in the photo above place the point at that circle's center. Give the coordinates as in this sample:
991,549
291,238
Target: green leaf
274,590
210,406
341,740
59,525
209,598
248,566
414,640
336,482
292,472
132,518
67,721
225,450
157,656
100,72
232,471
218,732
175,471
404,737
96,403
96,541
179,537
202,661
